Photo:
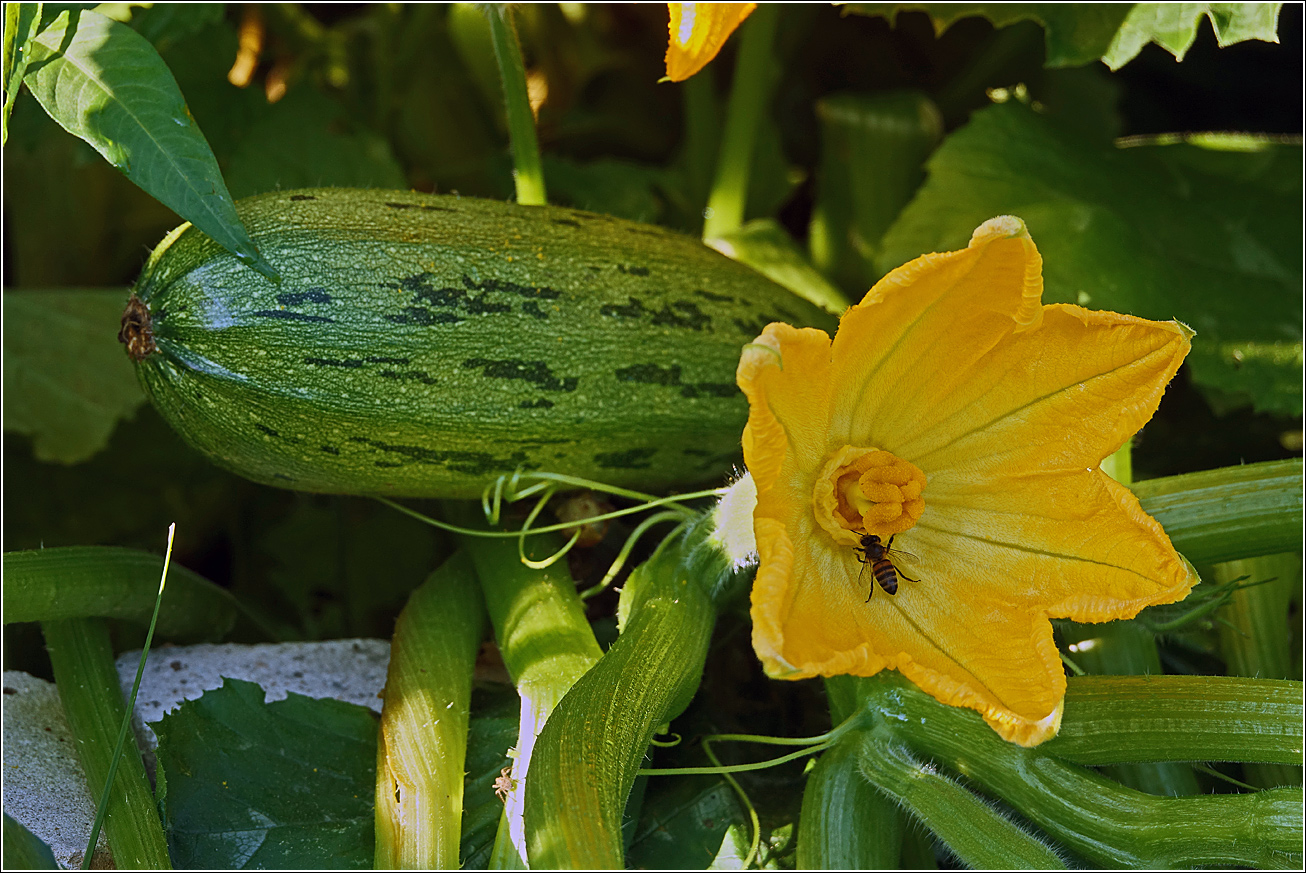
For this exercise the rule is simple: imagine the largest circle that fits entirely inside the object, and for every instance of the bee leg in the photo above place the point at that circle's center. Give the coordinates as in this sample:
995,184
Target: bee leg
905,576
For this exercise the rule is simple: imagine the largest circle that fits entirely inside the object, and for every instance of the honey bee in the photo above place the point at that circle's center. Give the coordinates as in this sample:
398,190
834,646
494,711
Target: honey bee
877,555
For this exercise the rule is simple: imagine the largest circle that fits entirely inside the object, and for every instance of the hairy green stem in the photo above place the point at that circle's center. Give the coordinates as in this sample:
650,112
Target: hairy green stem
1099,819
527,171
82,659
754,73
980,836
589,754
1229,513
846,822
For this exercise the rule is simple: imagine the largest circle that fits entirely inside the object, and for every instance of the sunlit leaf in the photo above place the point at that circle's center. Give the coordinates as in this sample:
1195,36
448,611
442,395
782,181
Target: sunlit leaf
285,785
1173,26
1075,33
1203,229
21,23
67,381
1079,33
104,82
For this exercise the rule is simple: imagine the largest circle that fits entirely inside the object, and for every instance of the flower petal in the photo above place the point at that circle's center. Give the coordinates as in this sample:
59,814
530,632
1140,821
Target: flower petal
698,30
785,375
1076,545
926,327
1098,375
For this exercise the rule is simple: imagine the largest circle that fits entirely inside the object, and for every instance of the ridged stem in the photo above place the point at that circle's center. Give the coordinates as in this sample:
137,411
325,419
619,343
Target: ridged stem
589,753
1229,513
846,823
82,659
527,172
422,742
1254,634
546,644
1125,719
754,69
1101,820
977,833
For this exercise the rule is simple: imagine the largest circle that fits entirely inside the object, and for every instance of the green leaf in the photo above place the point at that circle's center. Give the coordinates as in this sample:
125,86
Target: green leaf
1076,33
1167,228
490,734
614,187
1173,26
23,850
299,145
766,246
283,785
21,23
683,822
166,24
67,380
105,83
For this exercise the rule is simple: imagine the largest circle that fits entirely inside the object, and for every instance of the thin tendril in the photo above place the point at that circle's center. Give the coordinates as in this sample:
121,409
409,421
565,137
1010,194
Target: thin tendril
626,548
748,804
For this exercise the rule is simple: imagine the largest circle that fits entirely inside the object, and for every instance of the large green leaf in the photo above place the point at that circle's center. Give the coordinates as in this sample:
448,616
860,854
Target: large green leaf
1173,26
67,381
21,23
299,144
105,83
285,785
1206,230
1080,33
1075,33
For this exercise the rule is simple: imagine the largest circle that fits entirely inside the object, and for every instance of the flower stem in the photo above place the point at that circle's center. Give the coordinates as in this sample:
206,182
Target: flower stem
527,171
82,659
754,74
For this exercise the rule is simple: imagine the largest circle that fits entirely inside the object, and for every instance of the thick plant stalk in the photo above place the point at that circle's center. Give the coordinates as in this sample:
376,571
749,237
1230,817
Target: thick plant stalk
1255,637
1101,820
846,822
546,644
979,835
82,659
111,582
422,742
1229,513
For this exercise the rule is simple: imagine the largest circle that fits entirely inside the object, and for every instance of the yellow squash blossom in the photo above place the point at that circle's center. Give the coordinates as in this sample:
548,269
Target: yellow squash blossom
957,414
698,30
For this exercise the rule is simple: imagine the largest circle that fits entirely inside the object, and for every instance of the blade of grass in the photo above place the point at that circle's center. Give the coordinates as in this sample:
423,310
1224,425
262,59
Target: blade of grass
103,805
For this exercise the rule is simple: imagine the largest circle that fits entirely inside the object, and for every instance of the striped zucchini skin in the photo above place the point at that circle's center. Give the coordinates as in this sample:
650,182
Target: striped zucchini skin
422,345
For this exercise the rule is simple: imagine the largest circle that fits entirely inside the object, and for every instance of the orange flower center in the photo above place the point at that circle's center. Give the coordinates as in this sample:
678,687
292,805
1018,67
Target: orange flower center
867,491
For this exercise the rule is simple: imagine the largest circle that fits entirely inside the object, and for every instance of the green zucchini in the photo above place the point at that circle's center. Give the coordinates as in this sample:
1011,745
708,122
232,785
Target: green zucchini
422,345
